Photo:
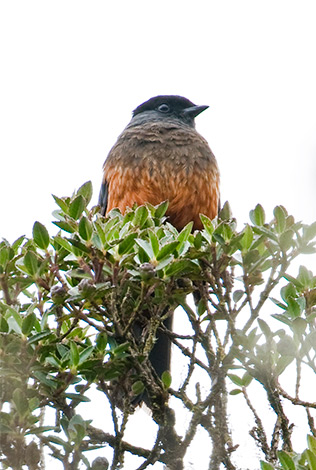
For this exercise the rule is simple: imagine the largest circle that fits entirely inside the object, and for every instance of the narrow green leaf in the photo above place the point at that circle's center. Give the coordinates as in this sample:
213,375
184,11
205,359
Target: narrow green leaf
225,213
39,336
67,227
76,207
236,391
28,323
126,244
161,209
62,203
257,216
31,262
286,461
154,242
85,354
41,429
246,379
86,191
247,238
207,224
236,380
40,235
265,328
63,243
85,228
280,218
4,327
146,247
181,266
4,256
166,250
74,354
141,215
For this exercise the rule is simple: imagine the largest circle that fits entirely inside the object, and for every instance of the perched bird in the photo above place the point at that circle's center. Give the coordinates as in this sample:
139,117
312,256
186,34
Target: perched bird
160,156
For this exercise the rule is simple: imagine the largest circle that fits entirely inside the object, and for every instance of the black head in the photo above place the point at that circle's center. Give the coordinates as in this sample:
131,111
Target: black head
170,106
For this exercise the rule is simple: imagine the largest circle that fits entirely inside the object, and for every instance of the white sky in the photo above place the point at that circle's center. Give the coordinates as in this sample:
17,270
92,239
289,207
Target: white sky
72,71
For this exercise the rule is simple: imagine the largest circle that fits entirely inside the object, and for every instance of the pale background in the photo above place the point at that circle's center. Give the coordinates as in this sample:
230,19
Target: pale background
72,71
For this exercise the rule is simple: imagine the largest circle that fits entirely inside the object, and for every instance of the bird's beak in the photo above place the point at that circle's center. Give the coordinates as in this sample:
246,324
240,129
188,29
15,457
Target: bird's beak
194,111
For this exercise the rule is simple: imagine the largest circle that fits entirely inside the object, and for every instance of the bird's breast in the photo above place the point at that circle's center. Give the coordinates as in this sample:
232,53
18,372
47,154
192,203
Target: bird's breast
157,163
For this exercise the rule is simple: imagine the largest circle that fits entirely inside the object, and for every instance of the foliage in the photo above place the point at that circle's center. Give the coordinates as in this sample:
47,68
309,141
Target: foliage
68,306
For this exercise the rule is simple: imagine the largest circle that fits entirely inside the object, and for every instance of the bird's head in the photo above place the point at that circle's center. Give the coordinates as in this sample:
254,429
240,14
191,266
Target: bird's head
168,107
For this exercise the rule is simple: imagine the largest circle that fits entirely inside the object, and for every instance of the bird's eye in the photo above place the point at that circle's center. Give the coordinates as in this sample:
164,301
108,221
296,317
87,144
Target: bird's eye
163,108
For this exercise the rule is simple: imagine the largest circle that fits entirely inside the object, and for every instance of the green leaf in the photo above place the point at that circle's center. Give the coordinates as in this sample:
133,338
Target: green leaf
265,328
41,429
146,247
102,341
280,218
236,391
20,401
294,308
74,354
311,459
310,231
28,323
4,327
85,354
64,243
141,215
286,240
247,238
285,460
154,242
61,202
67,227
246,379
207,224
161,209
299,326
225,213
236,380
86,191
31,262
138,387
40,235
126,244
181,266
311,442
39,336
4,256
85,228
266,465
166,250
305,277
237,295
257,216
166,379
76,207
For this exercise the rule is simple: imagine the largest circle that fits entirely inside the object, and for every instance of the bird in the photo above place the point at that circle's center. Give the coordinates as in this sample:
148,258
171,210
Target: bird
160,156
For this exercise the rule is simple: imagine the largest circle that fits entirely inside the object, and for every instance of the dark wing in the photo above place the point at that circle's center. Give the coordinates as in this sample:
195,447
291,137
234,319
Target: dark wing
103,197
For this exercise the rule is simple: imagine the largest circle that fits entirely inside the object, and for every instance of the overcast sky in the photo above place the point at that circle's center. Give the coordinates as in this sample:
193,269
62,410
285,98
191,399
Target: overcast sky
72,71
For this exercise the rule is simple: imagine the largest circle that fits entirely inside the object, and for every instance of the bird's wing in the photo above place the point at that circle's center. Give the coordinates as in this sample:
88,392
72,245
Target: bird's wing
103,197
